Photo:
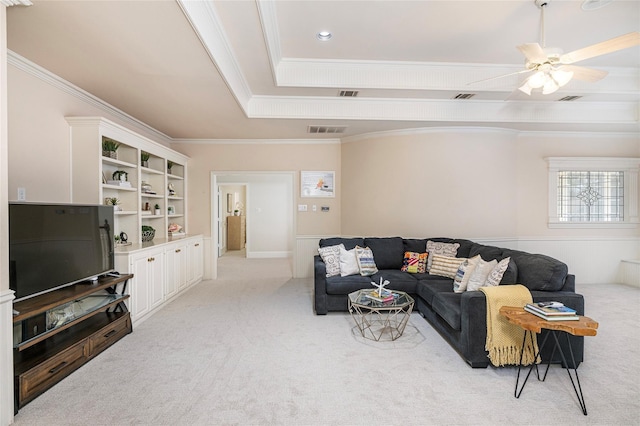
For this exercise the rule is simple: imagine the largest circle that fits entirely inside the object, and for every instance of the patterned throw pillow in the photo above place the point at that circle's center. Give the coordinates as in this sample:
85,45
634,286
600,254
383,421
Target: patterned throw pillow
496,274
480,274
443,249
348,262
445,266
414,263
366,263
464,274
331,258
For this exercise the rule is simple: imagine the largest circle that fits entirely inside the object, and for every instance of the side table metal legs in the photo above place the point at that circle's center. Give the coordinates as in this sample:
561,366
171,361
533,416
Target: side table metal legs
554,333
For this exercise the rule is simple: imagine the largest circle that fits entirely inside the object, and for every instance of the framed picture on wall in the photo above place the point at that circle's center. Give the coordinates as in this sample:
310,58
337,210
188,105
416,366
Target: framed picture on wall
317,184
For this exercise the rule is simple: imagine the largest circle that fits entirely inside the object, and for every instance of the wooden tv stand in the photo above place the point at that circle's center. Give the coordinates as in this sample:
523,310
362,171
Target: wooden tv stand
56,333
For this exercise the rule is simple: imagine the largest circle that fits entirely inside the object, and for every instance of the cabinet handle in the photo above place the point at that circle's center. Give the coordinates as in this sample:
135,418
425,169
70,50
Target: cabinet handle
151,259
111,333
59,367
177,250
198,245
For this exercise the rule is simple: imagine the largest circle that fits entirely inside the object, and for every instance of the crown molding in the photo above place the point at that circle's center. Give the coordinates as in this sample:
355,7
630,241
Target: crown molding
208,26
269,21
258,141
58,82
425,130
9,3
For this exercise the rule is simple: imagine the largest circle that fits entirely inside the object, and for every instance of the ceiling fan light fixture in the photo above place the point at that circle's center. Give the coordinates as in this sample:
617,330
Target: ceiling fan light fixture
561,77
537,80
549,87
525,88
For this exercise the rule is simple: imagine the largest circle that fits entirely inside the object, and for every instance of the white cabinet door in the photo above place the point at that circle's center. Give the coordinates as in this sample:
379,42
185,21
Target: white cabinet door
176,255
156,278
195,259
139,287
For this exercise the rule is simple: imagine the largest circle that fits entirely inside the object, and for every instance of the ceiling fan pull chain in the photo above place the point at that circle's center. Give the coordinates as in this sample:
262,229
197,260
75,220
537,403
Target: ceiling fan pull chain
543,42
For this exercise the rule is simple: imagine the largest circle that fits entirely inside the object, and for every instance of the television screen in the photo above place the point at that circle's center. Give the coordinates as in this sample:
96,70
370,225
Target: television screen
55,245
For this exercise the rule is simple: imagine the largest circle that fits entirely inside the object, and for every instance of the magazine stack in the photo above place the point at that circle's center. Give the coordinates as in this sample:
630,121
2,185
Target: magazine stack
552,311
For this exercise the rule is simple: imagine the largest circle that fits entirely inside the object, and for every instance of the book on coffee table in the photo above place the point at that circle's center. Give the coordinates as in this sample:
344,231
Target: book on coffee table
546,309
553,317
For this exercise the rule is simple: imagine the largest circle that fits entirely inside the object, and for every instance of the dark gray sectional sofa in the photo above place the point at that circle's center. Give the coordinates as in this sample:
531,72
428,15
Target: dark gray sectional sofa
459,317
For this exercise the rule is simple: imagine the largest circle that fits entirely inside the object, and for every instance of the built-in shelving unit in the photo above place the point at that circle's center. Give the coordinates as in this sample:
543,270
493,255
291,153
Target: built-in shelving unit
97,177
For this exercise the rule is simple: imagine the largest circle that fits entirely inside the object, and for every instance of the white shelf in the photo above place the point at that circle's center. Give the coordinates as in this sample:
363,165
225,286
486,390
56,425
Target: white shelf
145,195
118,188
151,171
175,215
125,212
115,162
175,197
175,177
152,216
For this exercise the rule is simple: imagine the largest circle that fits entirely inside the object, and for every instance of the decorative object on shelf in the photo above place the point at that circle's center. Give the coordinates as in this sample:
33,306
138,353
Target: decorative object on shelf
113,201
147,233
124,237
175,229
239,209
171,189
144,158
120,175
156,209
110,148
169,166
236,212
146,188
171,210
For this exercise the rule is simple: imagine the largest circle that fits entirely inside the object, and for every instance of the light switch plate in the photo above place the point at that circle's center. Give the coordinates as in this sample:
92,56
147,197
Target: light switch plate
302,207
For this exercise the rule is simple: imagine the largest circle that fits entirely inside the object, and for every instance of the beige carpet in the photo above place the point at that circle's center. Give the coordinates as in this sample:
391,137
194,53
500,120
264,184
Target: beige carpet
247,349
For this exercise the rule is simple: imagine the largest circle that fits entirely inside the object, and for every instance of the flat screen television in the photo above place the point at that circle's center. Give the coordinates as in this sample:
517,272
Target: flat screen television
56,245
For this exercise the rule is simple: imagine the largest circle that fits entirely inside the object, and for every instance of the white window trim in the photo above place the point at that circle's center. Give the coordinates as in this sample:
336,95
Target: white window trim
630,167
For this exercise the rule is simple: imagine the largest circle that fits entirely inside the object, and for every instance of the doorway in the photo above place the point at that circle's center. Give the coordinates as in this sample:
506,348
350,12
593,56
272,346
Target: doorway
268,209
232,199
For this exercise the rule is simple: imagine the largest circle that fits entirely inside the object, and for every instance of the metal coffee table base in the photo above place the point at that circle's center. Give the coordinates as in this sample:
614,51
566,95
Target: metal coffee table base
376,323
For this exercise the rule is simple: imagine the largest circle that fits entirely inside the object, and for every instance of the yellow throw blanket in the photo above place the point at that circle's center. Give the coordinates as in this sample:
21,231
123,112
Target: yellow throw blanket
504,340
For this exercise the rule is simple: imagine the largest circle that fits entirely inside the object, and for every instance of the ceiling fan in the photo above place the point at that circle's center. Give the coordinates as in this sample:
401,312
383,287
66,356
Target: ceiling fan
552,69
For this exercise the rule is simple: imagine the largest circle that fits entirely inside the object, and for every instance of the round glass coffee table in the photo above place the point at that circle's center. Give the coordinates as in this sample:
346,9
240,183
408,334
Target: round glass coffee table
379,320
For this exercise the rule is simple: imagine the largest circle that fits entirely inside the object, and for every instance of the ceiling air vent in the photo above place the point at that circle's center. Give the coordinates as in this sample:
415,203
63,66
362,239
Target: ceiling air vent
569,98
464,96
326,129
348,93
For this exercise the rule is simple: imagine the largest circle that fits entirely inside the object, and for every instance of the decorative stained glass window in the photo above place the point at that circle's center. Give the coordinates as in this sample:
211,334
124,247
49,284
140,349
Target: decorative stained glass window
591,196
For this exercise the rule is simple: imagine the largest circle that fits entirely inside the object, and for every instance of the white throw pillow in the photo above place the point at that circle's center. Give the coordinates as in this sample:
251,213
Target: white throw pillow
464,274
331,257
348,262
496,274
480,274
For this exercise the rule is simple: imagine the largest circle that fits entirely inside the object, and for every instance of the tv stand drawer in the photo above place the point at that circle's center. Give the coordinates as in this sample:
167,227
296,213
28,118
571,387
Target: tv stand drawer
109,335
40,378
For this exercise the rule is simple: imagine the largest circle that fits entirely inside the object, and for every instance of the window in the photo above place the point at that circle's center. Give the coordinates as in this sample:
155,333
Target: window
592,192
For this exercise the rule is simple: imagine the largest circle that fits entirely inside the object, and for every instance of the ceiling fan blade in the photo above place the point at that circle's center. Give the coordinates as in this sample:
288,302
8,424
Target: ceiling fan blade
499,76
585,74
533,52
613,45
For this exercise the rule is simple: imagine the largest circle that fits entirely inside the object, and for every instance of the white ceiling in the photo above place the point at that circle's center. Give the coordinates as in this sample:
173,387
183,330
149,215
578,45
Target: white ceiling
249,69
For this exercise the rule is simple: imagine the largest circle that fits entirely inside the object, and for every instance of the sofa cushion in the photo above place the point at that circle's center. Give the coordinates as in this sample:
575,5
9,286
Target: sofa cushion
463,274
448,306
495,276
331,257
428,288
344,285
539,272
388,252
349,243
486,252
414,262
366,263
510,276
418,245
398,280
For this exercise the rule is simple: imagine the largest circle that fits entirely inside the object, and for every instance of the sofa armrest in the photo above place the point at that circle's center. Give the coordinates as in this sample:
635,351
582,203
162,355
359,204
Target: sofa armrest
319,286
569,283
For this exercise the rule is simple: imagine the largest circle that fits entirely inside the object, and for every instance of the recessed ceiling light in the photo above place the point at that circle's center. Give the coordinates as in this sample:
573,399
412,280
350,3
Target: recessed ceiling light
323,35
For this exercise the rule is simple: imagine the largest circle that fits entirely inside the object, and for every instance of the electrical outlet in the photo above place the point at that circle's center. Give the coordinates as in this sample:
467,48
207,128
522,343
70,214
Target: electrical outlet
302,207
314,208
324,208
22,194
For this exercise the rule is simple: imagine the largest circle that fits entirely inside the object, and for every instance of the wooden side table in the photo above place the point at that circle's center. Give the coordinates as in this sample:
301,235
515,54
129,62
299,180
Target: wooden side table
585,326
